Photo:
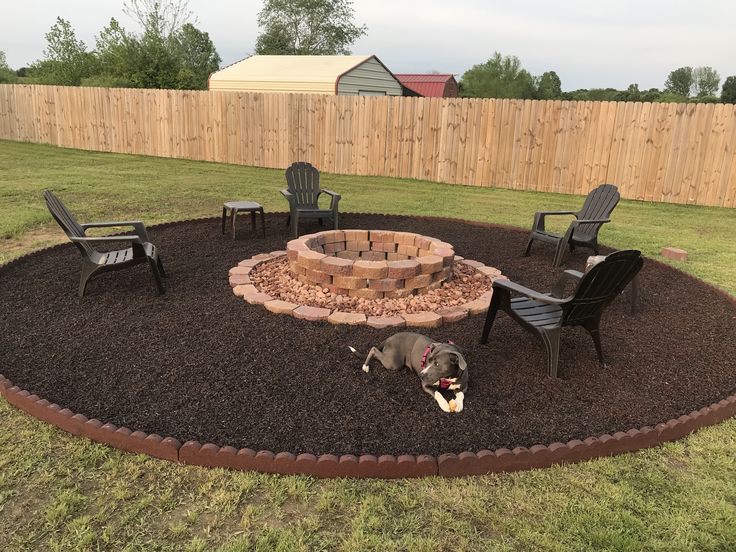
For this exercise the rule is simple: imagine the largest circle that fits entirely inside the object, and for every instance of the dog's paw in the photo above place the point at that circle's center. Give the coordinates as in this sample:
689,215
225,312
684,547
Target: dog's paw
366,368
458,406
453,406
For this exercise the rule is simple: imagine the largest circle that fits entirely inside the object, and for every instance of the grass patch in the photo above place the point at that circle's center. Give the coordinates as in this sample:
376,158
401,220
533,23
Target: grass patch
59,492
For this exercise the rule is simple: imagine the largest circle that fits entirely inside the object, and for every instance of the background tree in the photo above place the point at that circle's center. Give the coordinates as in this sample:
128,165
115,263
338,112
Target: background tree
549,86
705,81
161,18
67,60
499,77
7,75
728,92
197,56
680,81
307,27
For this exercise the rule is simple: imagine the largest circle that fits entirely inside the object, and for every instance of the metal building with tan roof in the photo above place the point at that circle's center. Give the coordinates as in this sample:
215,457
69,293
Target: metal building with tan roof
334,75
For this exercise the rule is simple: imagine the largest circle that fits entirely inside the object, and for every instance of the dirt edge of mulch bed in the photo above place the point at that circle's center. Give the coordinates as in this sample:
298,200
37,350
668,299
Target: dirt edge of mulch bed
369,466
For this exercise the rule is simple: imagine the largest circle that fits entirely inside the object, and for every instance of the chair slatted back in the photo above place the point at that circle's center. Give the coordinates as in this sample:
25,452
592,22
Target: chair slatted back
303,182
601,285
67,221
599,204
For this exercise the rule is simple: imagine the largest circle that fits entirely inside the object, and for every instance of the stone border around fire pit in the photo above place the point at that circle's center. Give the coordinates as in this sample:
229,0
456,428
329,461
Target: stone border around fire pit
239,278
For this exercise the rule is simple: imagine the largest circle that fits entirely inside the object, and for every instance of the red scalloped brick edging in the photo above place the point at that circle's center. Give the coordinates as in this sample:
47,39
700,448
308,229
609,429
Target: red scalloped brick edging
368,466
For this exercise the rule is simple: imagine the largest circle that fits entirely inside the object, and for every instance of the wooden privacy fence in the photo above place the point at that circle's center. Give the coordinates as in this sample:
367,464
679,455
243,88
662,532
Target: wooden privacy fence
677,153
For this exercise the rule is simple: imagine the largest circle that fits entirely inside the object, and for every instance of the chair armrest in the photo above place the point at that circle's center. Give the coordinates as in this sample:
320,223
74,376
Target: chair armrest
335,198
558,290
287,194
103,239
510,286
140,228
589,221
540,215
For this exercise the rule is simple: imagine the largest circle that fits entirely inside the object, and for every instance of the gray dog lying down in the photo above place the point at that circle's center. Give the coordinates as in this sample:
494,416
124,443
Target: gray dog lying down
438,365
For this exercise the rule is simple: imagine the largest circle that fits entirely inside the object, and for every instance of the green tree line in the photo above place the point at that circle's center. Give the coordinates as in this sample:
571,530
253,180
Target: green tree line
169,52
504,77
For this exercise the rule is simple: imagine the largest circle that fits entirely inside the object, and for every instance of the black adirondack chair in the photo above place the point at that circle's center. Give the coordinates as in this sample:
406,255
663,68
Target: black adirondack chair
303,193
583,231
95,262
545,314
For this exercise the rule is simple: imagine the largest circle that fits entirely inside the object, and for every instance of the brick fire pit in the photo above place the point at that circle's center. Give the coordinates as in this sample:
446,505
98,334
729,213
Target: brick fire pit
374,277
371,264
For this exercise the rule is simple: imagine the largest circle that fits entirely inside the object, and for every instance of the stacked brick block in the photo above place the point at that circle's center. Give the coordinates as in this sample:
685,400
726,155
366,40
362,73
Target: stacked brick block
371,264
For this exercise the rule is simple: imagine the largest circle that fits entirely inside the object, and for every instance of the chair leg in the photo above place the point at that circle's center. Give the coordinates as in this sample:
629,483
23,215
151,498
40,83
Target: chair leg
334,221
559,254
160,266
529,245
87,273
295,225
593,330
491,315
253,221
223,219
153,263
551,339
263,223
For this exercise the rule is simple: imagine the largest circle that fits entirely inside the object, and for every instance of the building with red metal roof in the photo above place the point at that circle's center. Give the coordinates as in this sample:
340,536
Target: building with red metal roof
429,85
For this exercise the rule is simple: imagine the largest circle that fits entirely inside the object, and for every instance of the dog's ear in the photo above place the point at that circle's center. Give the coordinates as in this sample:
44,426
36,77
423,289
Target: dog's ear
461,361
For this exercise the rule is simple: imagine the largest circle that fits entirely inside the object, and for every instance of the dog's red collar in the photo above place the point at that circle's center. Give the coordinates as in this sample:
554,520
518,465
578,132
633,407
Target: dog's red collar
444,382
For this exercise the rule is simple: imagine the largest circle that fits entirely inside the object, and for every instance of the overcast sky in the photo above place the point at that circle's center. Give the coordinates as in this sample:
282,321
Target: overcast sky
589,44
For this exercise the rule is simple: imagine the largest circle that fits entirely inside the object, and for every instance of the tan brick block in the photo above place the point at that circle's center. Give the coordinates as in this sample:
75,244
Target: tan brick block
313,240
249,263
489,271
277,254
298,269
385,284
238,280
429,264
280,307
477,307
310,259
396,257
332,248
239,291
373,255
452,314
365,293
442,275
351,255
674,253
349,282
424,319
356,235
336,289
474,264
409,250
318,277
438,244
363,245
420,281
332,236
447,255
257,298
422,242
242,270
387,247
424,253
310,313
370,269
336,265
381,236
380,322
402,270
399,293
405,238
350,318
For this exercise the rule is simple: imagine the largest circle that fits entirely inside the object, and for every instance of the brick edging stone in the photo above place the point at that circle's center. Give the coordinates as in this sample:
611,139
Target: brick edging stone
368,466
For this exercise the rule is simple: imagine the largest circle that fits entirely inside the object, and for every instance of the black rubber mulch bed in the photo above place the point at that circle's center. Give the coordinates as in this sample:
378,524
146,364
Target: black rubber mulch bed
201,364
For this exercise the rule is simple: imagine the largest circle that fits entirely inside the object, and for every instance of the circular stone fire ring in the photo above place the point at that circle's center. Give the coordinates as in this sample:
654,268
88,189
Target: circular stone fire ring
374,277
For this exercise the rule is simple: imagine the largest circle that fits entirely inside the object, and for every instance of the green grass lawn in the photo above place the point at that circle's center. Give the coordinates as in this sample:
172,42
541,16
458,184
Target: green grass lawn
59,492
